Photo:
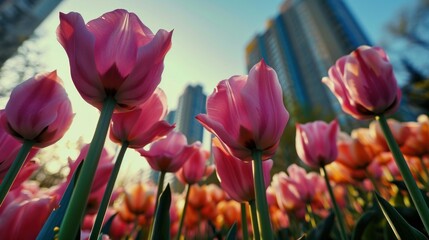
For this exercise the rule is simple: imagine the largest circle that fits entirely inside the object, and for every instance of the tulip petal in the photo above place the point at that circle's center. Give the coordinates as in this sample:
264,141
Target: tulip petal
364,83
193,169
219,131
157,131
264,104
79,45
145,77
236,176
118,34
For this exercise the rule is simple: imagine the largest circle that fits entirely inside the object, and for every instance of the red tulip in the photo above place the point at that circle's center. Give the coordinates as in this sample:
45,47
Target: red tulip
316,143
168,154
399,132
194,169
247,113
353,153
115,55
235,176
38,110
140,199
417,137
137,127
364,83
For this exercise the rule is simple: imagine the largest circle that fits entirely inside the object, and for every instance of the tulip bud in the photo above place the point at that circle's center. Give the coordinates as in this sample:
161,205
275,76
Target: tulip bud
364,83
38,110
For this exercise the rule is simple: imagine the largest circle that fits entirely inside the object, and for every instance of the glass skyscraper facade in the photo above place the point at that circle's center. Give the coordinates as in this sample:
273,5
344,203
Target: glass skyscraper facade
301,43
191,103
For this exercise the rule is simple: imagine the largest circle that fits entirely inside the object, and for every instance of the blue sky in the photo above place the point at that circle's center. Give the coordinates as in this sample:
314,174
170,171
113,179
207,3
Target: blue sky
208,41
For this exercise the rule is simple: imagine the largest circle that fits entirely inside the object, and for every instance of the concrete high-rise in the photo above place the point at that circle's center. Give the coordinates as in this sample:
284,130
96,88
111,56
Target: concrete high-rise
301,43
18,20
191,103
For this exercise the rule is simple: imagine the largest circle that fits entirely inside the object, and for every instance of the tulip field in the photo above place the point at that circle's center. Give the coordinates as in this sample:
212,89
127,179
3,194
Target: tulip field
371,183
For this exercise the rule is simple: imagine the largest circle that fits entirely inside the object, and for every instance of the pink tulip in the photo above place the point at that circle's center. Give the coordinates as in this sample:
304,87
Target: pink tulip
23,220
137,127
115,56
296,189
247,113
168,154
19,193
26,171
9,148
194,169
364,83
235,176
38,110
316,143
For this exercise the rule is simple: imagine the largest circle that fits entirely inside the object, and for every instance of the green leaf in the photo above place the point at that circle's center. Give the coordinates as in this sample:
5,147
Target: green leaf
56,217
107,225
140,235
232,233
283,233
366,220
161,226
400,227
323,229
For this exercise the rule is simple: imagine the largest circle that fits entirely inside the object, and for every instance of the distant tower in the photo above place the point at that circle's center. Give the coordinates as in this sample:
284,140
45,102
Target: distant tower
191,103
18,20
301,43
170,118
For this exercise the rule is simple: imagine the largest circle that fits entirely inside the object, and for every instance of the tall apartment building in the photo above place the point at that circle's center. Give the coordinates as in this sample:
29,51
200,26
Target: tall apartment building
301,43
18,20
191,103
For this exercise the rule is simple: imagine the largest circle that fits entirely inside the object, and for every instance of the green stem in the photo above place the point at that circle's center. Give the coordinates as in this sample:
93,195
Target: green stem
179,232
108,193
158,193
14,169
254,219
244,221
261,197
340,219
414,191
75,211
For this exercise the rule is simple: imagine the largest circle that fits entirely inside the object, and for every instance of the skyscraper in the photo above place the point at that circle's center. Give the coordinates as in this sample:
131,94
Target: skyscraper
191,103
301,43
18,20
